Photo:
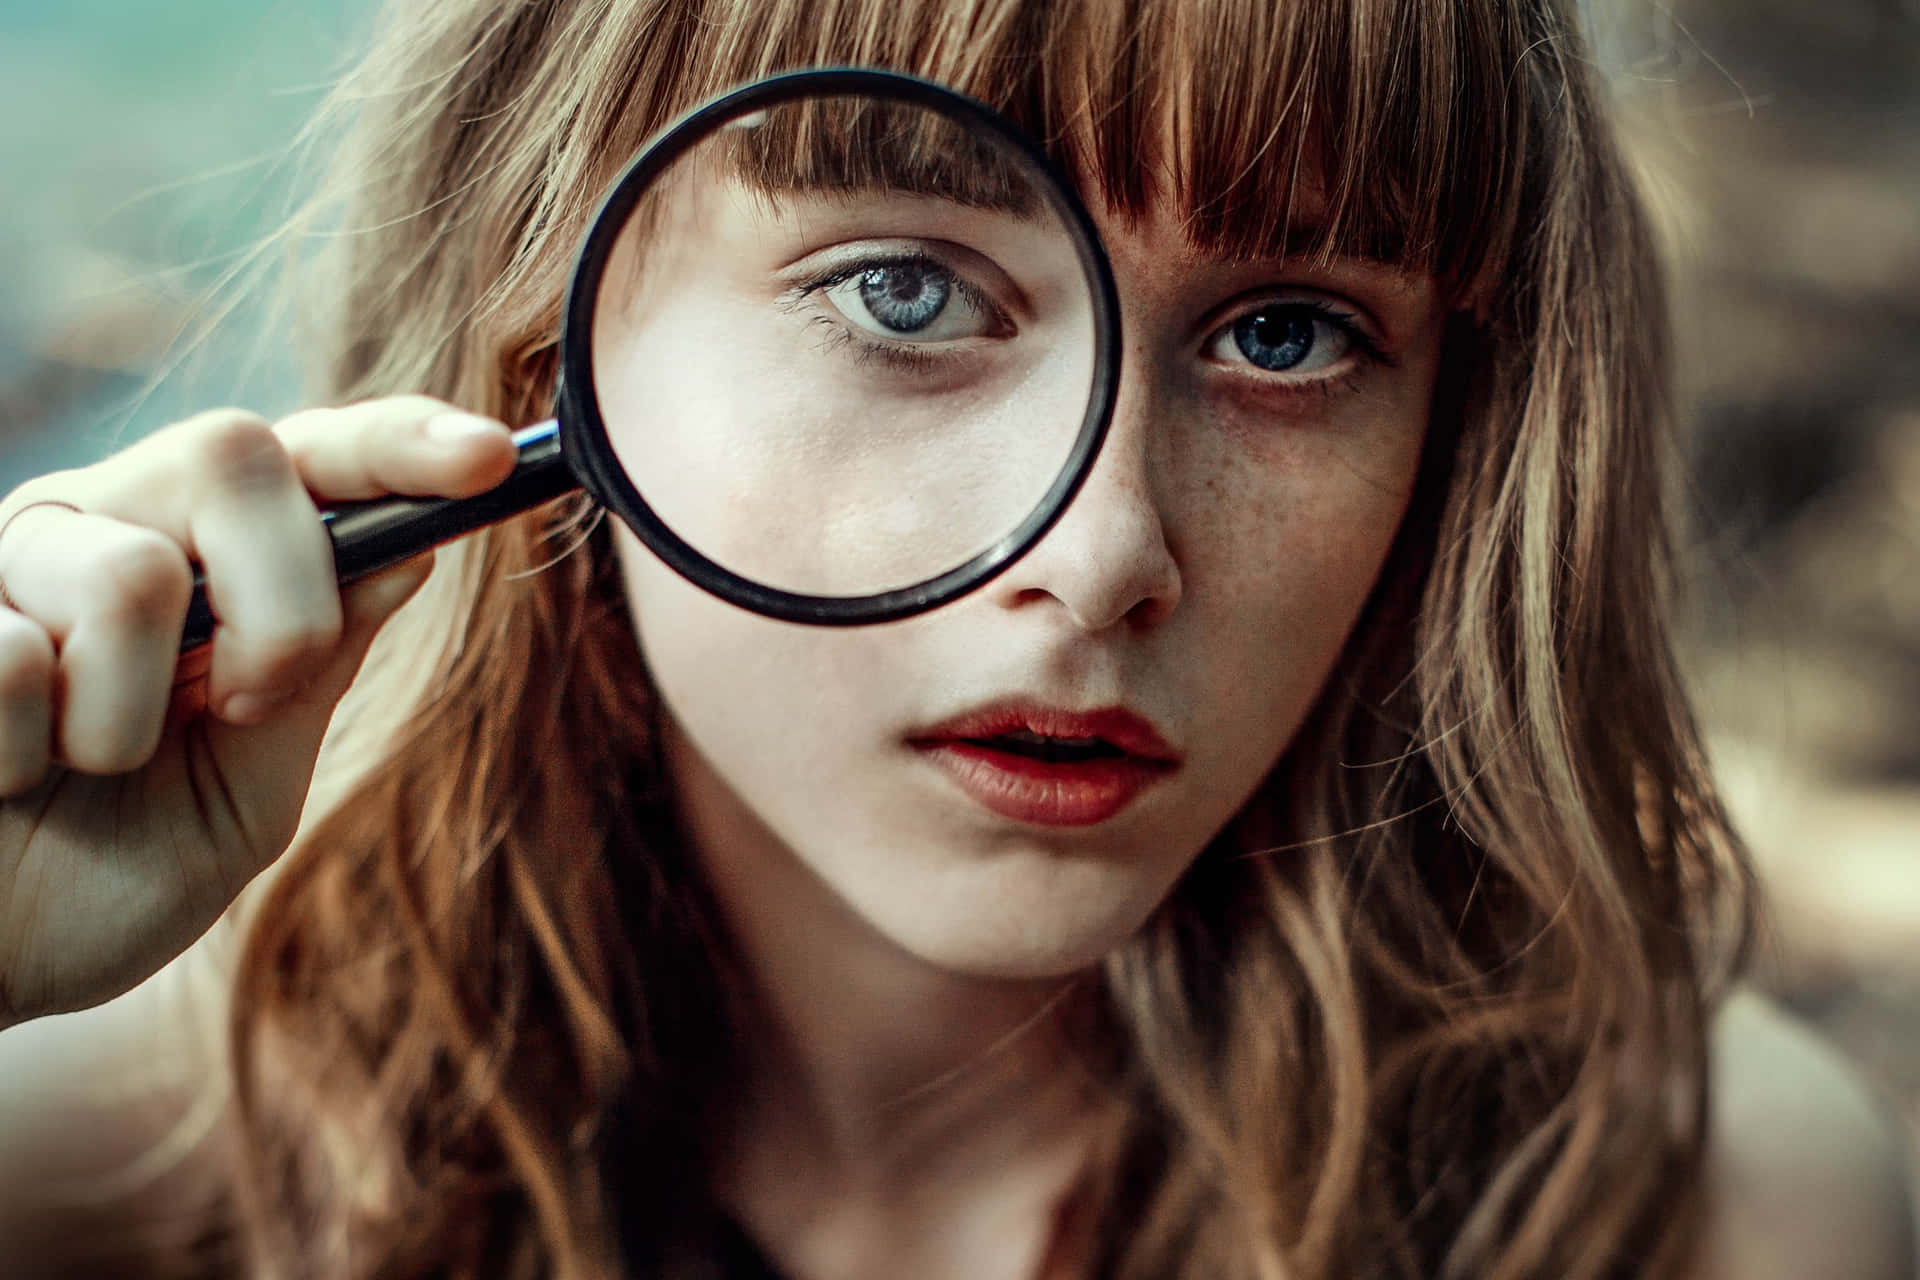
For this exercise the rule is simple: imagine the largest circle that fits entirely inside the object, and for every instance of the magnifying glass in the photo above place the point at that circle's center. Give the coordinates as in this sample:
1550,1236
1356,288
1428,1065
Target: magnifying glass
839,347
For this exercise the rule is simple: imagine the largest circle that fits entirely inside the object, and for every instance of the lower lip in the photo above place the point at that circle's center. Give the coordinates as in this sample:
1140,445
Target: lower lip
1045,793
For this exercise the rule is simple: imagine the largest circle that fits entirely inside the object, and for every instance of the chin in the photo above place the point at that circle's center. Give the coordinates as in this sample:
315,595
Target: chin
994,963
1021,933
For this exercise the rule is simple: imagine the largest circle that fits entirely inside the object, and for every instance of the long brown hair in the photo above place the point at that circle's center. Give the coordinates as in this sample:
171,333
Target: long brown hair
1433,1005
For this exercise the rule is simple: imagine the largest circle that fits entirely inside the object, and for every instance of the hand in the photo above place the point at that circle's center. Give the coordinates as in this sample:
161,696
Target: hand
139,791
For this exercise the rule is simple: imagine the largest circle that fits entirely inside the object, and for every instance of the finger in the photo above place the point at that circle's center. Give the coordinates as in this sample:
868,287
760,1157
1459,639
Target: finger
26,703
268,565
223,486
291,738
410,445
117,644
369,604
109,598
373,599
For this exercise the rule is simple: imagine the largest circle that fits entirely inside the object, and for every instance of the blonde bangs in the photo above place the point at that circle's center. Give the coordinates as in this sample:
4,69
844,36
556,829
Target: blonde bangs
1381,129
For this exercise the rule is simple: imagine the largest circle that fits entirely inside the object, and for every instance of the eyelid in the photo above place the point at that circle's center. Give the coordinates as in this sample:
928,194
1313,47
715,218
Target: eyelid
991,284
817,295
966,288
1359,326
849,259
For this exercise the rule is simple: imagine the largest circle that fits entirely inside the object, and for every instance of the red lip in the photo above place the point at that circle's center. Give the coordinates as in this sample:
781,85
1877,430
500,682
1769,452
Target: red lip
1053,793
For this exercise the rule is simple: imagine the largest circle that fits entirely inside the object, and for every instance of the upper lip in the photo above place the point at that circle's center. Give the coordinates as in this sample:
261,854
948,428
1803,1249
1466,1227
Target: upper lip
1117,726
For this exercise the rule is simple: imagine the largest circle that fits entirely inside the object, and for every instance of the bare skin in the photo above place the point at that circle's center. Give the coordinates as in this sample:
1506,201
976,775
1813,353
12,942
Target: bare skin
96,1095
908,945
939,1132
139,795
138,807
940,1124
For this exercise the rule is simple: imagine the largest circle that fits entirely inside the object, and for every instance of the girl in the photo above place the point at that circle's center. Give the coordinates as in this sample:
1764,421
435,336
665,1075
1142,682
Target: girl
625,932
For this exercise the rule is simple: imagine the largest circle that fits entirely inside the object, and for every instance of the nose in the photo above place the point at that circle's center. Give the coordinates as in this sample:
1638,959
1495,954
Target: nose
1109,560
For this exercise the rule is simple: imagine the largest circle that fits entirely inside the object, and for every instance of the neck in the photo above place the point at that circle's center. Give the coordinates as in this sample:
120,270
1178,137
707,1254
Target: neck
872,1070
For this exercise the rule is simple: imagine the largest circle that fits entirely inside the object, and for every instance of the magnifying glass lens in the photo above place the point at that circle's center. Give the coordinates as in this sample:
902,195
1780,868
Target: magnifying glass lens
844,344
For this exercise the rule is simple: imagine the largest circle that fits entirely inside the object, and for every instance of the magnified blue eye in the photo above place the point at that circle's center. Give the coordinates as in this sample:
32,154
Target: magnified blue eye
905,298
1277,339
916,300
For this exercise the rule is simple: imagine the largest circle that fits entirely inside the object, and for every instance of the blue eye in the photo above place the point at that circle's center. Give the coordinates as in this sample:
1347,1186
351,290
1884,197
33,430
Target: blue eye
912,299
1284,337
1276,339
905,298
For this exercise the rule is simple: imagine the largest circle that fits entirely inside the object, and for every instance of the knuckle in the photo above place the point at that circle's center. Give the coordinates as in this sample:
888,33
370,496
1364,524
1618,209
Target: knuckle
26,659
241,450
217,419
200,425
142,577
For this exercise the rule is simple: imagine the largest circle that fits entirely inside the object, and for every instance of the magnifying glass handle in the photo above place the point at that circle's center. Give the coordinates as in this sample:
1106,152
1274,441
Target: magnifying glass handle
370,536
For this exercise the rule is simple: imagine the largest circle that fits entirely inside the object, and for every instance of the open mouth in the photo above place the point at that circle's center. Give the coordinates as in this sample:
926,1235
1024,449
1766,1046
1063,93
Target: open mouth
1045,766
1049,750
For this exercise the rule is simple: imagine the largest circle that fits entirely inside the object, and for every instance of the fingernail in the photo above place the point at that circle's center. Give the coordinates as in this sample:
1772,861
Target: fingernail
454,427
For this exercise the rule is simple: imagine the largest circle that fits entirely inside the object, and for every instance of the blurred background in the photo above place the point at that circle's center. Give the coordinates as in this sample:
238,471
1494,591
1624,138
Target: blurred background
144,150
1780,142
146,146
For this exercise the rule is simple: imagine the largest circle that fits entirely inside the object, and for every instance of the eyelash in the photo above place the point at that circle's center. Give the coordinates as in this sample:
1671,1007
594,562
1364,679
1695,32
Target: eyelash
917,358
1323,384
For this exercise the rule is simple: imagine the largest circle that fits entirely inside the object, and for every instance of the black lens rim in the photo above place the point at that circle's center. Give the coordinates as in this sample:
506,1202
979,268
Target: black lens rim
583,431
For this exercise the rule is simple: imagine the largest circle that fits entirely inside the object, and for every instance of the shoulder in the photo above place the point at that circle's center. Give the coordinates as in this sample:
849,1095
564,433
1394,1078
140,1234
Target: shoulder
1808,1171
112,1125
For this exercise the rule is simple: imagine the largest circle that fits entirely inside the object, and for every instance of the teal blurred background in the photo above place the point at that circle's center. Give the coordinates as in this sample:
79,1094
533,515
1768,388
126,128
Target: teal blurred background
143,148
144,145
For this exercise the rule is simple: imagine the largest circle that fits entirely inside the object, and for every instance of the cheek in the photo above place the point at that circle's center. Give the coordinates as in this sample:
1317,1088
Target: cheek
785,713
1292,520
1288,530
726,674
1348,457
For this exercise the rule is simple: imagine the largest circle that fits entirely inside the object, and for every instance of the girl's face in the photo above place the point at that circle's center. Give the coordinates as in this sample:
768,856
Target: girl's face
1009,785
